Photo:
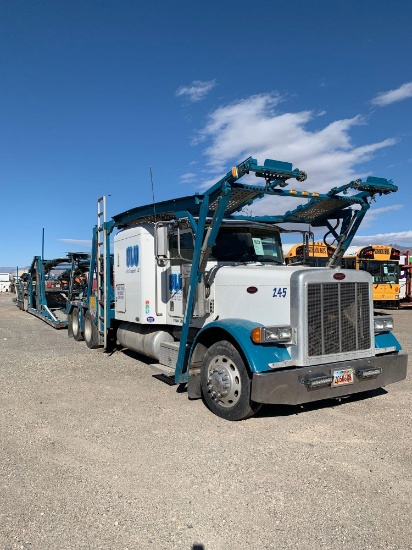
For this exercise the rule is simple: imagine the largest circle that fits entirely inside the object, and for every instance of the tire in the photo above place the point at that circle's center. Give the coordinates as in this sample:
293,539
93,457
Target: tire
91,334
226,384
77,333
70,325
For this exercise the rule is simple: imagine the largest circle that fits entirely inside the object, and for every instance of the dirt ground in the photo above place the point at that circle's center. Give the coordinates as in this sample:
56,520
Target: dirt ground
96,453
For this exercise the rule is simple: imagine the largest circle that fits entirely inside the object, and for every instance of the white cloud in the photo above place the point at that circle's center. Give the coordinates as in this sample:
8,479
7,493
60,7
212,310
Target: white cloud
252,127
189,177
401,238
374,213
386,98
197,90
79,242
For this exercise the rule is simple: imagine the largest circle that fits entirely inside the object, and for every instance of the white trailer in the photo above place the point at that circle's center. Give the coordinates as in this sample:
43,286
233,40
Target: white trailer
5,282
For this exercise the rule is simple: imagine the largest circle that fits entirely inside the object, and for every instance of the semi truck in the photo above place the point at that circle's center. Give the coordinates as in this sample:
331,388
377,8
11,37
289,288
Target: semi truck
201,286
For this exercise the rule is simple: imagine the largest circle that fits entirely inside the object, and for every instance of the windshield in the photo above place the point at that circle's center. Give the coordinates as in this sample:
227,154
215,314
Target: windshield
243,244
382,272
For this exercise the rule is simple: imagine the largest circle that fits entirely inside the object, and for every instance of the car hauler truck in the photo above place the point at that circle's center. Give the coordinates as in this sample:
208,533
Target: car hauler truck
48,286
202,287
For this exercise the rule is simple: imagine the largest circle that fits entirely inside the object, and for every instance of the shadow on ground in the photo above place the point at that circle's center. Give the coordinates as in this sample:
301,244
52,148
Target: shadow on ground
267,410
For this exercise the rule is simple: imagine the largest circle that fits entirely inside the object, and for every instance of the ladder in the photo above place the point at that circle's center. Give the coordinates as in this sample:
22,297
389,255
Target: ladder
101,260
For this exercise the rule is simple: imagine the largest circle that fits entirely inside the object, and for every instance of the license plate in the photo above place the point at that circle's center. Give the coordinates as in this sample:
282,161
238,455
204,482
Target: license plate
342,377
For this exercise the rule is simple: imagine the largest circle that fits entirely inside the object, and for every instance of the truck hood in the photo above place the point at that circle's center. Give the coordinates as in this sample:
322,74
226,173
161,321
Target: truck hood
259,292
256,274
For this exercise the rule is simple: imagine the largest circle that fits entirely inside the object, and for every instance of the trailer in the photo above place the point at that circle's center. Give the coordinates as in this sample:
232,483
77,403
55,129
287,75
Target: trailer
5,282
202,287
50,285
405,280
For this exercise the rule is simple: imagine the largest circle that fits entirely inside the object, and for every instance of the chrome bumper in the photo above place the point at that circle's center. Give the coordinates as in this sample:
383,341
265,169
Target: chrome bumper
292,386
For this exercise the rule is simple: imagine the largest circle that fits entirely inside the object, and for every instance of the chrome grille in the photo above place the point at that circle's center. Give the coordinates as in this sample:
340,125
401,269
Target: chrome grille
338,318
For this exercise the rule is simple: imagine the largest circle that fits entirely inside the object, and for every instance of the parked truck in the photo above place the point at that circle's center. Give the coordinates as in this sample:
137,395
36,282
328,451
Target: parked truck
405,280
50,285
202,287
5,282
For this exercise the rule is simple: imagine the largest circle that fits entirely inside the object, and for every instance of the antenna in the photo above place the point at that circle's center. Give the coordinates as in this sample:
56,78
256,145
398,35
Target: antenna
153,195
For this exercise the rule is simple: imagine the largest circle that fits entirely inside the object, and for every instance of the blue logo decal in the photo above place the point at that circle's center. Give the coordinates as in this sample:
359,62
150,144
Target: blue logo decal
132,256
150,319
175,282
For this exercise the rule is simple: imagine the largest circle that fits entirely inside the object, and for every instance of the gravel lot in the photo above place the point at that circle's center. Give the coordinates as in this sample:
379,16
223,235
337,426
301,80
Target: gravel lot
96,453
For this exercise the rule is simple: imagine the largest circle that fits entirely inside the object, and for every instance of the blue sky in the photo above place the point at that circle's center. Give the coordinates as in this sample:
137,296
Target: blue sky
94,93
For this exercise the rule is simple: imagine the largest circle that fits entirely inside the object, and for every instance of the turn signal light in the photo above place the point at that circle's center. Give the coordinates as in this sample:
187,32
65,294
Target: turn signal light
278,335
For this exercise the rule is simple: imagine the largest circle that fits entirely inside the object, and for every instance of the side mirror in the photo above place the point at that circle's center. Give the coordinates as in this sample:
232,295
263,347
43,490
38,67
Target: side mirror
161,244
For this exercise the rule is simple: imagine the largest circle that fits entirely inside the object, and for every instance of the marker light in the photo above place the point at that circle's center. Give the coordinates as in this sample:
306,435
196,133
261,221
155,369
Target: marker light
278,335
383,324
318,381
368,372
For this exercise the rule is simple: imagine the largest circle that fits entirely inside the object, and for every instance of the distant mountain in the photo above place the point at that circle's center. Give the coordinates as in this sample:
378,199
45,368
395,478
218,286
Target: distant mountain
403,249
12,269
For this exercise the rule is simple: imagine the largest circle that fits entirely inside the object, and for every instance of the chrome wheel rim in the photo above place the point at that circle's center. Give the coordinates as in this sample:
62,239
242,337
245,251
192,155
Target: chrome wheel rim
223,381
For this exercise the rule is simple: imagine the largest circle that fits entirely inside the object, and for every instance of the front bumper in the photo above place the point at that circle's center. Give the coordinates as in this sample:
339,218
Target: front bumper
287,387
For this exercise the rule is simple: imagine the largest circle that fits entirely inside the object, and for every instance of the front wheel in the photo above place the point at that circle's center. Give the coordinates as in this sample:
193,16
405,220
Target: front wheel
91,334
226,384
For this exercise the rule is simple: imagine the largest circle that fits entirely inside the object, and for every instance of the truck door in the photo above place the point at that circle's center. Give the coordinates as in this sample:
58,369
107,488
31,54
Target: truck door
181,253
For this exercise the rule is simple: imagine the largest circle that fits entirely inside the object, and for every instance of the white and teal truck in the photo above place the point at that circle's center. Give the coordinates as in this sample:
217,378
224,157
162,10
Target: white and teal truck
201,286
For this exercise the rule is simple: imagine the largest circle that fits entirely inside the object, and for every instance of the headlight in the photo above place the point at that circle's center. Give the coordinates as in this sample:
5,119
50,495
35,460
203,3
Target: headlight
278,335
383,324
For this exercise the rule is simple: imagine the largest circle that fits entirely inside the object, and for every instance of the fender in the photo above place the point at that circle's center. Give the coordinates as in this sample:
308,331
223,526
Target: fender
386,340
258,356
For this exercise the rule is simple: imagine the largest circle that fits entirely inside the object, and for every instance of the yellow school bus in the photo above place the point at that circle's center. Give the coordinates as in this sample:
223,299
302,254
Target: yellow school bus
382,262
317,253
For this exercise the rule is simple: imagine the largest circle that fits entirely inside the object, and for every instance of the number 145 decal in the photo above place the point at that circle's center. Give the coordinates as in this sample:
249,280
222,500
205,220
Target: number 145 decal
279,292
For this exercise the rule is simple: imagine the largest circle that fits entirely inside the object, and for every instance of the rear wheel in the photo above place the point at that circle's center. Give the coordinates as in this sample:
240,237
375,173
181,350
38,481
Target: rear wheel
91,334
225,382
77,333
